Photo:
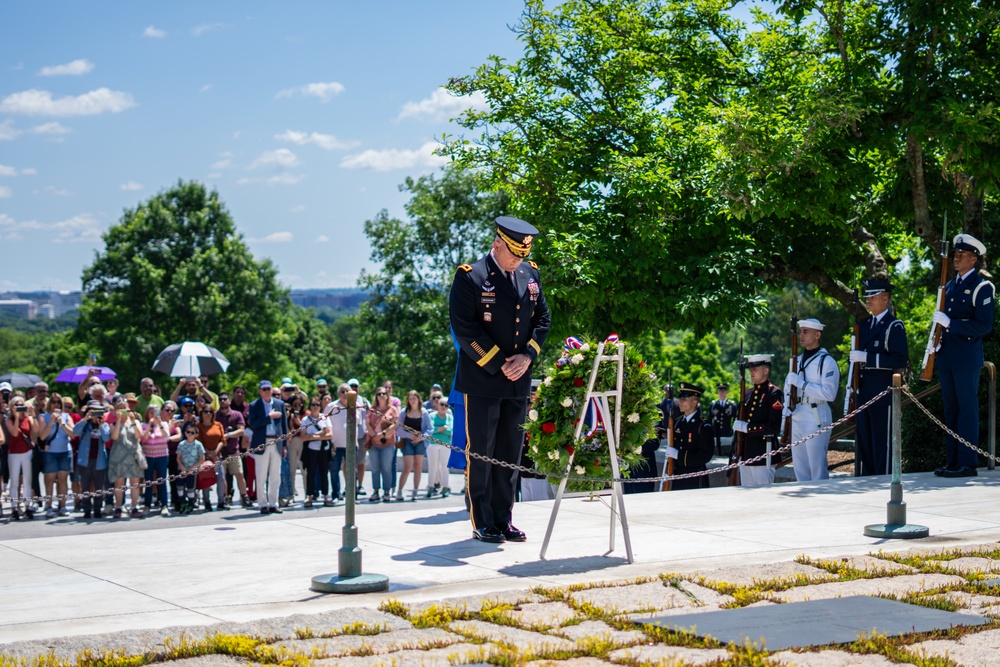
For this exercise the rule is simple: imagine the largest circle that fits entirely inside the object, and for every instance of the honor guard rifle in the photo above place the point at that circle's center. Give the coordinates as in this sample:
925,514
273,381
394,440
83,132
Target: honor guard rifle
853,370
793,392
934,339
739,438
670,432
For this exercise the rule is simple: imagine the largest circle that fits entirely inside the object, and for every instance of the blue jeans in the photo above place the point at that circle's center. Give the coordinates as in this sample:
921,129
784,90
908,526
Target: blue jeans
339,454
156,469
383,468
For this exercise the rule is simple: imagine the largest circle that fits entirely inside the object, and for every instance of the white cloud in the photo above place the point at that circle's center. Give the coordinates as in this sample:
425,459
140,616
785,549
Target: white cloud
281,158
53,128
324,91
154,32
5,192
395,158
6,170
442,106
298,208
201,29
29,171
204,89
276,237
325,141
81,228
7,130
53,190
247,181
131,186
285,179
36,102
225,163
322,238
75,68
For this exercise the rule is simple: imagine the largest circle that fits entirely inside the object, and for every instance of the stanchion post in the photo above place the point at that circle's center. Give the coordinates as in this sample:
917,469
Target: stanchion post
349,578
991,410
895,526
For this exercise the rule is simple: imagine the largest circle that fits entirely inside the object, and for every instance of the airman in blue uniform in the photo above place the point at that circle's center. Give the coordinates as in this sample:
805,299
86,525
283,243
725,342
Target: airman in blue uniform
882,351
500,321
966,318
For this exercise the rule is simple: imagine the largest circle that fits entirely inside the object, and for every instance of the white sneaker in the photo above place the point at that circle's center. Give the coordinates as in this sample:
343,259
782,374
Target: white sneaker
50,513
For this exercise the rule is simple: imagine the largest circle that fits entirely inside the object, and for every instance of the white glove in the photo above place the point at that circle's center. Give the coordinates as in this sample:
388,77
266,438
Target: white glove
859,357
793,379
672,452
740,425
942,319
785,412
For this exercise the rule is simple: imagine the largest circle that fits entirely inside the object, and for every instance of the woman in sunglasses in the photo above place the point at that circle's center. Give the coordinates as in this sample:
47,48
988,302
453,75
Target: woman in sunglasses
213,437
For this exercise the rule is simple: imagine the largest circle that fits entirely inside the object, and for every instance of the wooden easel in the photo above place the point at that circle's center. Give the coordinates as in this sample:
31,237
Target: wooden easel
612,428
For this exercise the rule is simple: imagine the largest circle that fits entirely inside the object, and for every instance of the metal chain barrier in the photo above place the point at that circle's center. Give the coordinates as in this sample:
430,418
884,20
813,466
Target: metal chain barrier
938,422
239,456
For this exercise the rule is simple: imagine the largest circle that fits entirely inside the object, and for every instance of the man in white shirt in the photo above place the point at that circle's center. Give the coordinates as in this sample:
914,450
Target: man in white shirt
336,418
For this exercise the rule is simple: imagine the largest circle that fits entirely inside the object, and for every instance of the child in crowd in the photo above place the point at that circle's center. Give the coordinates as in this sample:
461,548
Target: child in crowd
442,423
190,456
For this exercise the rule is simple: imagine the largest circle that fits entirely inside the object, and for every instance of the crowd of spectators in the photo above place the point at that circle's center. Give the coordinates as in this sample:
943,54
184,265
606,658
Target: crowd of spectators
286,446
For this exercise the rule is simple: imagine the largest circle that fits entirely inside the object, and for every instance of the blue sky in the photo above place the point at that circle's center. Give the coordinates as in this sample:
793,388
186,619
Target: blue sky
305,116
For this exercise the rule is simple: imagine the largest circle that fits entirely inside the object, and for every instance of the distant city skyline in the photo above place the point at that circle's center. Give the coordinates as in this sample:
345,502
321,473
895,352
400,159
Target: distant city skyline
304,116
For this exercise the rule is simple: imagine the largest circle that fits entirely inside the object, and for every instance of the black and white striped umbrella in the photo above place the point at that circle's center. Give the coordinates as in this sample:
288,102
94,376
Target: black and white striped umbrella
190,359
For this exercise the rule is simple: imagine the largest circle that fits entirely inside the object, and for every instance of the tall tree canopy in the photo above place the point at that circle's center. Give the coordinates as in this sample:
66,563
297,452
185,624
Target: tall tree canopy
174,268
665,147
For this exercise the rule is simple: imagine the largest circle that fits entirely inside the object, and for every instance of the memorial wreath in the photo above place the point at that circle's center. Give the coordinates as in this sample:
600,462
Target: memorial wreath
558,407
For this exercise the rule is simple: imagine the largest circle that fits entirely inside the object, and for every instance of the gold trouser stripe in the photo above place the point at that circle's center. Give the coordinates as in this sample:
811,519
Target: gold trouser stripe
468,461
532,343
489,355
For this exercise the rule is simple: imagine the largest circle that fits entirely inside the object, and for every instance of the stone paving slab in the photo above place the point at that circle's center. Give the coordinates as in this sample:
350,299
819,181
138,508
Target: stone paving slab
828,659
523,639
749,575
653,595
976,650
457,654
386,642
600,630
476,602
572,662
543,614
209,661
907,583
669,655
981,605
972,565
870,564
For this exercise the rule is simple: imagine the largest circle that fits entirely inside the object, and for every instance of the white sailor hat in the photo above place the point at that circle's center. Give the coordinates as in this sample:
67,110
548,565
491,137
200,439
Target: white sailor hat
811,323
754,360
969,243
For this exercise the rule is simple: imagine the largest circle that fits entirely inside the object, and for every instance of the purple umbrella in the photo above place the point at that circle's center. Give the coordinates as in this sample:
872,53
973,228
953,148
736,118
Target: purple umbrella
76,375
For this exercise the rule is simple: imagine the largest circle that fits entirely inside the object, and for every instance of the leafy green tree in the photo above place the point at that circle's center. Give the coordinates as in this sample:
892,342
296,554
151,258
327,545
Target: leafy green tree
174,268
403,327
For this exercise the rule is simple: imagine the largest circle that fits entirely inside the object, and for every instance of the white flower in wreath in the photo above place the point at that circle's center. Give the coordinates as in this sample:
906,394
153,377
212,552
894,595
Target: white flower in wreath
633,418
580,470
553,455
533,415
547,381
566,402
585,347
576,358
534,449
638,450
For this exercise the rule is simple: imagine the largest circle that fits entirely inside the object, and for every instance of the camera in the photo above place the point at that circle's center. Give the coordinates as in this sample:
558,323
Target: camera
383,440
21,408
96,413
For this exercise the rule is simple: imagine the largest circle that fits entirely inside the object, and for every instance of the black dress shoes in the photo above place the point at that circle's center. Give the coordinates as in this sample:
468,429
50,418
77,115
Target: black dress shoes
941,471
490,534
963,471
512,534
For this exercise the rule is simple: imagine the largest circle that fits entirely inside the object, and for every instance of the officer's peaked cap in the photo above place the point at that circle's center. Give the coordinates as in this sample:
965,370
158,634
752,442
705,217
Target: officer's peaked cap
688,390
517,234
874,286
754,360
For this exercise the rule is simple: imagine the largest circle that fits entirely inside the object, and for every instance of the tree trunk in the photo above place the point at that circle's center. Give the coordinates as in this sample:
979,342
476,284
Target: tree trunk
921,210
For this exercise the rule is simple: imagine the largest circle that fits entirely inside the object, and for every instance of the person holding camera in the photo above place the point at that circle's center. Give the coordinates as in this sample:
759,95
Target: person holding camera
55,429
123,464
92,456
381,420
316,437
22,430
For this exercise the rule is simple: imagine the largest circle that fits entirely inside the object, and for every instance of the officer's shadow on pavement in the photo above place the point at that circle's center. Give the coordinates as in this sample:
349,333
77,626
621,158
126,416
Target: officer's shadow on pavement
454,554
574,565
912,483
442,518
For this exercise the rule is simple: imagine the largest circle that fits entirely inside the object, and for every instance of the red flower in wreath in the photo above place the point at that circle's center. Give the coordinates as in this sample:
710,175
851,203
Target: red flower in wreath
577,382
597,464
549,427
569,448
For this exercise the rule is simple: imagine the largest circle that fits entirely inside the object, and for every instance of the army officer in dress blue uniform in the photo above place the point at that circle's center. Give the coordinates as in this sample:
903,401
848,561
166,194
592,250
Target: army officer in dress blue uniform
882,351
966,318
500,320
693,439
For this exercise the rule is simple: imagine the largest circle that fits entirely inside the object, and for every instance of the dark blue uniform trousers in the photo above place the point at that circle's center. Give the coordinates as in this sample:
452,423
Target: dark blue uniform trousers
873,431
493,427
960,393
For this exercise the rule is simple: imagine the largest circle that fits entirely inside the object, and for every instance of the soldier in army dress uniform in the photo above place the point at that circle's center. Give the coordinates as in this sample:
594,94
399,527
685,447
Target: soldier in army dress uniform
762,424
882,351
693,439
500,320
723,412
966,318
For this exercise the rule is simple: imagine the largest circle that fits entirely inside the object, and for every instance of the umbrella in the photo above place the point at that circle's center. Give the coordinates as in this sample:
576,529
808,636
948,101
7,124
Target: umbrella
77,374
21,380
190,359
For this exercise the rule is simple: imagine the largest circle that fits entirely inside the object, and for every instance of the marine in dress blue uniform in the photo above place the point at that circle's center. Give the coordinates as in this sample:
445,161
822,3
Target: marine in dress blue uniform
693,439
882,351
966,318
500,320
764,405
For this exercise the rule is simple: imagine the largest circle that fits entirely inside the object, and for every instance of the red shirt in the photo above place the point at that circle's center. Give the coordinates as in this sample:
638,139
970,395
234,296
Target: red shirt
20,440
